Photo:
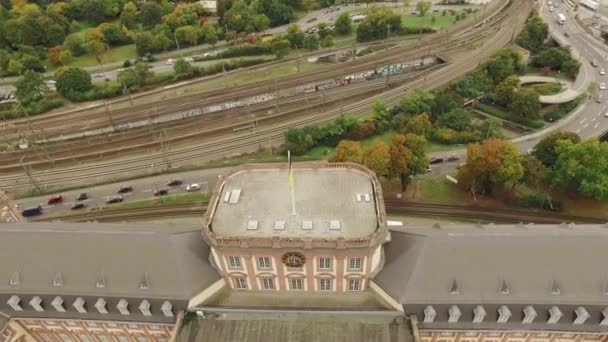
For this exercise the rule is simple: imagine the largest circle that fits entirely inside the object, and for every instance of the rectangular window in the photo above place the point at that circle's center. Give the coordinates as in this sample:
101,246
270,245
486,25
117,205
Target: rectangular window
354,264
240,283
354,284
325,284
267,283
296,284
325,263
264,262
234,262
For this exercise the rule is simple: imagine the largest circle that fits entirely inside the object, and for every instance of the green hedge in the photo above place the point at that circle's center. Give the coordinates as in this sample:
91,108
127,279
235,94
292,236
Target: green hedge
538,201
491,110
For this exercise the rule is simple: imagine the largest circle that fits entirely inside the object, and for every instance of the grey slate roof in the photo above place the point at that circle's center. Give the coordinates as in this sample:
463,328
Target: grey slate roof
172,260
467,263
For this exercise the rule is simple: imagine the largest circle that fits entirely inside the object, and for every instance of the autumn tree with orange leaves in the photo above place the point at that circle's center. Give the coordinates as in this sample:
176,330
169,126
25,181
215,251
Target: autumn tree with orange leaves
489,165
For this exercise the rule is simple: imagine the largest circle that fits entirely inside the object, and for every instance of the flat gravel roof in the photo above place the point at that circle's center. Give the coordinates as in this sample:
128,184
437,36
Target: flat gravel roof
329,203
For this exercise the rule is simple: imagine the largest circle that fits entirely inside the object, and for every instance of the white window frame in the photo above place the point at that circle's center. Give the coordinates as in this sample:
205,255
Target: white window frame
264,263
267,283
234,262
240,283
357,262
322,287
323,261
354,285
299,281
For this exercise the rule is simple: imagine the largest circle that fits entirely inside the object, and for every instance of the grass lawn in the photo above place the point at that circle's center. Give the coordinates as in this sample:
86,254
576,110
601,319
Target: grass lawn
441,21
195,197
117,54
428,189
545,88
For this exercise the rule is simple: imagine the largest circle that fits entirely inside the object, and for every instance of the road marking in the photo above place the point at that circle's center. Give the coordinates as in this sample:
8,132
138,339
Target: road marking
586,125
597,124
595,118
582,121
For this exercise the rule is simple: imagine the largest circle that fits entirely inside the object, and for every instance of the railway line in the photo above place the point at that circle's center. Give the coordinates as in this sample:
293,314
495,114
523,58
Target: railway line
477,214
499,34
459,34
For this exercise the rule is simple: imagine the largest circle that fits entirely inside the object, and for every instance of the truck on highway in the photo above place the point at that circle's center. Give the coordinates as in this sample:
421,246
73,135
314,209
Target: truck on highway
561,18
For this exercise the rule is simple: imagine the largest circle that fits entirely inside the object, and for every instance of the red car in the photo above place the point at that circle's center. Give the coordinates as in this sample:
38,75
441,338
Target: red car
55,199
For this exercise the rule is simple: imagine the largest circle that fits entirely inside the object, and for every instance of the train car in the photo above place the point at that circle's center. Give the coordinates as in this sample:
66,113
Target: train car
34,211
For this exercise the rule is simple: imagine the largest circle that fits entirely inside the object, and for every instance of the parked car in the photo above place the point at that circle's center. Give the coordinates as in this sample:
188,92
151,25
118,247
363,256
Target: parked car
170,61
80,205
602,72
83,196
606,115
98,75
435,160
193,187
175,182
114,199
594,63
55,199
189,59
161,192
602,86
453,158
125,189
29,212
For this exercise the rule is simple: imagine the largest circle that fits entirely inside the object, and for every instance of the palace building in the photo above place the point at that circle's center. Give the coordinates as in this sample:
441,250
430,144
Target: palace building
302,254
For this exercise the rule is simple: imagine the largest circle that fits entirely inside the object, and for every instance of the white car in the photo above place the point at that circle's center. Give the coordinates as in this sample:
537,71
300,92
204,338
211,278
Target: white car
602,72
98,75
606,115
170,61
602,86
189,59
193,187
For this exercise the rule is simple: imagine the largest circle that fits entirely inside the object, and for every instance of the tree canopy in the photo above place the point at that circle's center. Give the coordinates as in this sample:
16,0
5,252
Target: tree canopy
546,149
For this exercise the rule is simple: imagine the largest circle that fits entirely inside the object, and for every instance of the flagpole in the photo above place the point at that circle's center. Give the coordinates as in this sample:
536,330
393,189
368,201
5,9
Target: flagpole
291,188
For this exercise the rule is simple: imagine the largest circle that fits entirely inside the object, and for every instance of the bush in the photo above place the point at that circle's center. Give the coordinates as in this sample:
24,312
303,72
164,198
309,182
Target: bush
43,105
563,109
300,140
449,136
363,130
536,200
244,50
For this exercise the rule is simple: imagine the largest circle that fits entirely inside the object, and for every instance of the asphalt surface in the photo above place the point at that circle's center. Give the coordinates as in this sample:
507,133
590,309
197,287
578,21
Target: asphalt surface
143,189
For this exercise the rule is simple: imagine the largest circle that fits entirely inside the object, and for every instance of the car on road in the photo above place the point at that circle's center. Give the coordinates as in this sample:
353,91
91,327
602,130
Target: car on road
435,160
207,54
606,115
453,158
55,199
175,182
594,63
602,72
170,61
598,99
161,192
98,75
193,187
125,189
602,86
550,8
114,199
83,196
77,206
33,211
189,59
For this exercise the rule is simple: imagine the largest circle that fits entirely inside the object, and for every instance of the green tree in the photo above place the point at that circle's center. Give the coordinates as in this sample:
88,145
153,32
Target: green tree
31,62
261,22
376,157
400,159
504,63
534,171
457,119
144,43
136,76
381,116
72,80
416,102
295,36
545,150
150,15
327,41
423,7
30,87
209,33
343,25
348,151
503,93
558,58
182,68
311,42
187,34
534,35
419,162
419,125
14,67
445,101
280,48
491,164
96,48
525,103
377,24
582,167
490,128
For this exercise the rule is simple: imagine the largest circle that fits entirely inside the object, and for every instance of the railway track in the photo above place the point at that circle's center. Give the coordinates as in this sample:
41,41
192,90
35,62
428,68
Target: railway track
475,214
456,36
502,32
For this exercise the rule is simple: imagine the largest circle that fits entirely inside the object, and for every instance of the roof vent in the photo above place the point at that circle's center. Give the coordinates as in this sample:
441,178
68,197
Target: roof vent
555,289
144,284
15,279
279,225
307,225
235,195
504,288
367,197
227,196
359,198
454,289
334,225
58,280
252,225
100,283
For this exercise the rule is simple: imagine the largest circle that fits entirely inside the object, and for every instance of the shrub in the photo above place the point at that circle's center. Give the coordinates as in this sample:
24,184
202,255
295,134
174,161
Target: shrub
363,130
536,200
449,136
